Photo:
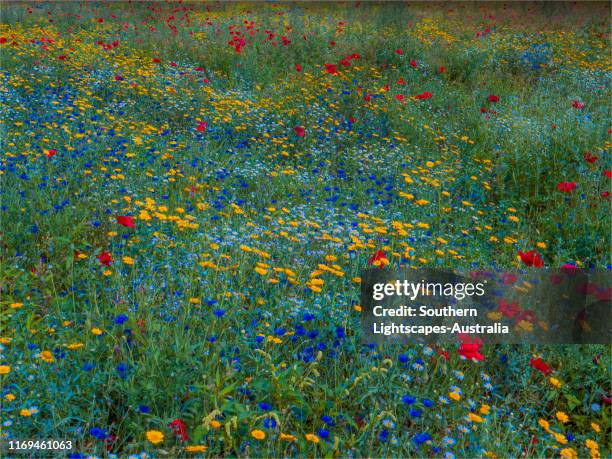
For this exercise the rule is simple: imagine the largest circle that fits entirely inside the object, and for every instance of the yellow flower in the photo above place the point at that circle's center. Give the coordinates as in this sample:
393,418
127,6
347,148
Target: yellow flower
47,356
107,272
215,424
595,454
561,416
287,437
5,369
312,437
196,448
591,444
74,346
96,331
25,412
560,438
128,260
155,436
9,397
595,427
16,305
544,424
568,453
455,396
474,417
484,409
258,434
555,382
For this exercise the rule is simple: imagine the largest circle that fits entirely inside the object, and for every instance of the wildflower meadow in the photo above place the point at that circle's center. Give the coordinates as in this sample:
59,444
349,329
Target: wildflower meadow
190,192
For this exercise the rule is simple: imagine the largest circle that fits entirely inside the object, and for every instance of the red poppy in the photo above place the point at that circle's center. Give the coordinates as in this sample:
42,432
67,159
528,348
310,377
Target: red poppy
399,51
566,187
577,104
508,278
531,258
178,426
604,294
509,309
471,351
540,365
367,97
569,268
298,68
3,40
352,120
345,62
51,153
379,255
105,258
300,131
493,98
400,97
331,69
608,173
126,221
202,126
441,69
118,78
424,96
590,157
156,60
413,63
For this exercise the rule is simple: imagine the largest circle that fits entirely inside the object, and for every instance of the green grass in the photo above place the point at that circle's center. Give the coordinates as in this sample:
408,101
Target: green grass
241,217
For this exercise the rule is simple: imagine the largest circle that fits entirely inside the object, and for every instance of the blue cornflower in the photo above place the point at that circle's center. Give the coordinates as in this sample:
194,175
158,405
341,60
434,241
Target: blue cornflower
421,438
144,409
121,319
100,434
270,423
